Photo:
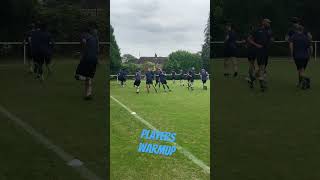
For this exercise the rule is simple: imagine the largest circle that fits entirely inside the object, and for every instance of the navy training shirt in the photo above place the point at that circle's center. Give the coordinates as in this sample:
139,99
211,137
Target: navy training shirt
91,47
301,46
149,75
262,36
138,76
231,40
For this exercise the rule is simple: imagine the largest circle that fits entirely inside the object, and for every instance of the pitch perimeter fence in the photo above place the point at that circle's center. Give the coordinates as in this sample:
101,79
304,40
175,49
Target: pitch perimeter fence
279,49
66,50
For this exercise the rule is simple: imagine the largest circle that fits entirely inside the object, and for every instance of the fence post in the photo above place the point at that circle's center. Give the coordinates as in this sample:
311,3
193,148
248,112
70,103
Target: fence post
24,53
315,50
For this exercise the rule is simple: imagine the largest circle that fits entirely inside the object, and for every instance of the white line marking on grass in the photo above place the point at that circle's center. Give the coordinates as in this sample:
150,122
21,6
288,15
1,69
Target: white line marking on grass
69,159
182,150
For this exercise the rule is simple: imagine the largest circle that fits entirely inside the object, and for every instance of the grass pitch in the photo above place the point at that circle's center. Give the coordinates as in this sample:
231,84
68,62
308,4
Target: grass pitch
181,111
271,135
55,108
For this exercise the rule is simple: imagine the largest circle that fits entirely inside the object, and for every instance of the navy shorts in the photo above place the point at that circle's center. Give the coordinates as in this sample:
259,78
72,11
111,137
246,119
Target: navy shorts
301,63
262,56
164,82
149,81
252,54
86,69
230,52
137,82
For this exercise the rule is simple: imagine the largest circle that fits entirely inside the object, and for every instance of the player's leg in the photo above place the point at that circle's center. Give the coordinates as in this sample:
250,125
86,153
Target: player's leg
226,66
235,66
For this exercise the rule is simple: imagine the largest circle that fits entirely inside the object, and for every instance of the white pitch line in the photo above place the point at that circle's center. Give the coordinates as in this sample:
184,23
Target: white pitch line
69,159
182,150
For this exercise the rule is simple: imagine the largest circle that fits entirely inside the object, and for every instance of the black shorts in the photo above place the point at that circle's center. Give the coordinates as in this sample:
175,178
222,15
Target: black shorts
149,81
252,54
86,69
29,53
262,56
137,82
164,82
301,63
230,52
204,81
157,80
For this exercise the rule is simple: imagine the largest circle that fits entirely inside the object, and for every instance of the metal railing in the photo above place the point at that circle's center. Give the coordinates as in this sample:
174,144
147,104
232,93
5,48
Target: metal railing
313,42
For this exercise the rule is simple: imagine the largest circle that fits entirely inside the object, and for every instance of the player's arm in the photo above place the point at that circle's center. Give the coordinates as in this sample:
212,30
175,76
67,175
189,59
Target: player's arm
291,48
251,41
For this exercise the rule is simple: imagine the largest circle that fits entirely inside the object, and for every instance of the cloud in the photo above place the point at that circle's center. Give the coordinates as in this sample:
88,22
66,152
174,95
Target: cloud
159,26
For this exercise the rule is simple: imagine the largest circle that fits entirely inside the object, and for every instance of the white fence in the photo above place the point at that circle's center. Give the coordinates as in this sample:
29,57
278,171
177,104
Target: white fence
313,42
57,43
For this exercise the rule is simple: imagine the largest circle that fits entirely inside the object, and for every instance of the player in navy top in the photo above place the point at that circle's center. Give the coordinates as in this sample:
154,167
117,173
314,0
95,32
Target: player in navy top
204,77
149,80
163,80
122,77
137,81
157,77
173,74
41,46
27,42
181,77
261,40
300,46
190,78
230,51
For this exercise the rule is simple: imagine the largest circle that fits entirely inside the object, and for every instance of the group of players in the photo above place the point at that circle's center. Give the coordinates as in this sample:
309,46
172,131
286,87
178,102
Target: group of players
39,48
160,78
258,43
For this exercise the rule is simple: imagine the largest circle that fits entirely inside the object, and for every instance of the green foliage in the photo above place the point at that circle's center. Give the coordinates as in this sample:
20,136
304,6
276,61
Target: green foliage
115,55
131,67
129,58
183,60
205,54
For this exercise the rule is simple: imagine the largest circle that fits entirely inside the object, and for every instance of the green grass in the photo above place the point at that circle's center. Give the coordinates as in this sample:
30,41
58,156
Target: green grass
55,109
184,112
272,135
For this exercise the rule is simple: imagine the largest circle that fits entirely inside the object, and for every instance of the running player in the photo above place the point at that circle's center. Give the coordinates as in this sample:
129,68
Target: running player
163,80
149,80
300,46
230,51
251,50
173,74
27,42
88,62
122,76
137,81
190,78
157,74
181,77
41,41
261,40
204,77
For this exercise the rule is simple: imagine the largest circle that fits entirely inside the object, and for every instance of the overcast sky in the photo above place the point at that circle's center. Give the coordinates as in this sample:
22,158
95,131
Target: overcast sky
159,26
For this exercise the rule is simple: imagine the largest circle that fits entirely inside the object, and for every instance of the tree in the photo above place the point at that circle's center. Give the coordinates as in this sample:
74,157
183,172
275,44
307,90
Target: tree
128,58
115,54
183,60
205,54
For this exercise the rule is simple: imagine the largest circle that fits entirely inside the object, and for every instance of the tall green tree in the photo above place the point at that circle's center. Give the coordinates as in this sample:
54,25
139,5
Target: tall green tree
115,54
183,60
205,55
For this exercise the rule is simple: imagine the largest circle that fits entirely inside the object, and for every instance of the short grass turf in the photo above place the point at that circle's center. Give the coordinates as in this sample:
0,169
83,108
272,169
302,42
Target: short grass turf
271,135
181,111
55,108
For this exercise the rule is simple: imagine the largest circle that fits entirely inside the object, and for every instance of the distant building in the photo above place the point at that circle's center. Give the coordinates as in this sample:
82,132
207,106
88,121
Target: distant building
158,61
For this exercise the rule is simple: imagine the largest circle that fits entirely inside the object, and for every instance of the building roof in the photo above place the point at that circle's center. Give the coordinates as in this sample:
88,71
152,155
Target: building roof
156,60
